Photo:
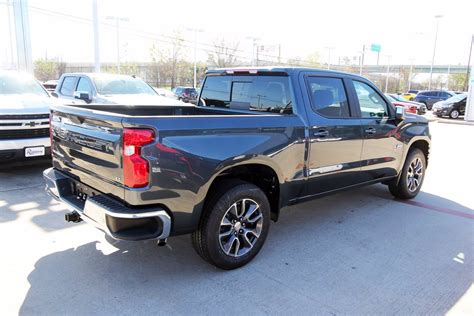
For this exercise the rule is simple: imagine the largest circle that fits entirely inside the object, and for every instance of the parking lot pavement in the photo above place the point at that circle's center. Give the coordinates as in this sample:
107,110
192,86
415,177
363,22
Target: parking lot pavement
358,252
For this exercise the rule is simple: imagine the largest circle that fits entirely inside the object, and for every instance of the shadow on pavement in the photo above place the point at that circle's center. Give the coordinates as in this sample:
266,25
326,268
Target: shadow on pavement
19,187
353,252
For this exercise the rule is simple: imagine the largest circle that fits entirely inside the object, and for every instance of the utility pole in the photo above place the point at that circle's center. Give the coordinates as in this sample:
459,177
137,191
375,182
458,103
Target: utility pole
279,53
254,44
410,74
117,30
95,19
388,69
362,60
447,81
329,56
22,32
437,17
466,82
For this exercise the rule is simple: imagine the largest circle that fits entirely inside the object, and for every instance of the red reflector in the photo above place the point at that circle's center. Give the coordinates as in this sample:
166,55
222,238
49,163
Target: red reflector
136,169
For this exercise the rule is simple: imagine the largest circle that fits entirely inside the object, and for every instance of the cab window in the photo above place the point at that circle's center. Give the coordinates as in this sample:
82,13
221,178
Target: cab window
67,87
372,105
328,96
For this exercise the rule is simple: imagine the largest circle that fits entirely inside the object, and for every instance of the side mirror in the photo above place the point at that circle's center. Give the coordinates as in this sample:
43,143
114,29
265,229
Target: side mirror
400,112
82,95
54,94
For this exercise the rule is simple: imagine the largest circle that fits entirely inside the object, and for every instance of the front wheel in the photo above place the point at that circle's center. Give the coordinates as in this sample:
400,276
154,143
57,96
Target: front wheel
234,225
412,176
454,114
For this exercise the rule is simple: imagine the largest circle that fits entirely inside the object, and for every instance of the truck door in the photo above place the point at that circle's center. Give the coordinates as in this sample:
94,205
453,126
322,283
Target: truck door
334,133
383,147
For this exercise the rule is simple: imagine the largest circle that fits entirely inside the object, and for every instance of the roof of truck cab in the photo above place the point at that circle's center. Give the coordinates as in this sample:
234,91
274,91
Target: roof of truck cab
287,70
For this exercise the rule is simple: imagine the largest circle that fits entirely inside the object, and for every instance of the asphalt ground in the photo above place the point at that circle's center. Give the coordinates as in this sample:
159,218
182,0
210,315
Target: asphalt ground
359,253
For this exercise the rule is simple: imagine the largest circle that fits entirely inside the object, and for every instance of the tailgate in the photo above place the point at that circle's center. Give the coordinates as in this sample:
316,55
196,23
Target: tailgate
87,145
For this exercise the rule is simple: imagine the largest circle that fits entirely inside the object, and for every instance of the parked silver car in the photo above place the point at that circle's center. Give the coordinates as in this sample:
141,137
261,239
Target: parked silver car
24,117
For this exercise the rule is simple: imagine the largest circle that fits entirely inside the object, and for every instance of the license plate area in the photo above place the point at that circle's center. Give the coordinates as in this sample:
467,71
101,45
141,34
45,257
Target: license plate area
35,151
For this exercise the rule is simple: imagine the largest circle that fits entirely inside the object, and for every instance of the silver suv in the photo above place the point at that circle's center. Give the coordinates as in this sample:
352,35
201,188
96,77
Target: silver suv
24,117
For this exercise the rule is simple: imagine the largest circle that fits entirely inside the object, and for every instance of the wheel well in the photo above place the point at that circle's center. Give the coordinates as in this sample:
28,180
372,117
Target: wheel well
423,146
262,176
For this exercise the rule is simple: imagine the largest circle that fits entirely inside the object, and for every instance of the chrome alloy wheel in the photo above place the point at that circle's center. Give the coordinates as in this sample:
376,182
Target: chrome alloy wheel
240,227
414,174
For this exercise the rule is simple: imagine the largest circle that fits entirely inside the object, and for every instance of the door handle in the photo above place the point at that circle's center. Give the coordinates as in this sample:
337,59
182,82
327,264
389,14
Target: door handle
321,133
370,130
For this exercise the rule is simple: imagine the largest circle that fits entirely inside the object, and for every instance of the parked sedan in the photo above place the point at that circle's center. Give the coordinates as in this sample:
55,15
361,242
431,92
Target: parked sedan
409,108
410,95
431,97
421,108
452,107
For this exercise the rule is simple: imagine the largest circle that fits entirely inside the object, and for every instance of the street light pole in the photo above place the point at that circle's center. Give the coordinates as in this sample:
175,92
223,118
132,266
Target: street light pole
95,18
437,17
10,33
195,30
117,30
466,82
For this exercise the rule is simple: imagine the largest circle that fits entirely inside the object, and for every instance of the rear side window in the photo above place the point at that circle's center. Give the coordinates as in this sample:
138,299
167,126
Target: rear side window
67,88
254,93
328,96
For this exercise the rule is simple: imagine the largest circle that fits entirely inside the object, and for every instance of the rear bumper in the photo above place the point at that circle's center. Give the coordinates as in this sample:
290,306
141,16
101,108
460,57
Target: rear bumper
109,215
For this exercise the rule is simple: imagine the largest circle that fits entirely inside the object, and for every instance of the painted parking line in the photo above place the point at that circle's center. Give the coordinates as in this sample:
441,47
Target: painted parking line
438,209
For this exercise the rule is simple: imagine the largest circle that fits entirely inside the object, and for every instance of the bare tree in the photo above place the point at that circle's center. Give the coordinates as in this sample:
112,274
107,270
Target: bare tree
168,65
223,54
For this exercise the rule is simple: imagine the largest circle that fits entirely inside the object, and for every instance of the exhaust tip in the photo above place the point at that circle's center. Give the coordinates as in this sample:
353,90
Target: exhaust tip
73,216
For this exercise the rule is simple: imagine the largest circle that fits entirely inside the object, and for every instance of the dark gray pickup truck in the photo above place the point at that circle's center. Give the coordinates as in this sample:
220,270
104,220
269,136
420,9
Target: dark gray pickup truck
258,140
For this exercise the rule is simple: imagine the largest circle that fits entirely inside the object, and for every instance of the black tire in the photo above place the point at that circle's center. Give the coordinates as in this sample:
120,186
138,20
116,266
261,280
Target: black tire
401,189
454,114
428,106
206,240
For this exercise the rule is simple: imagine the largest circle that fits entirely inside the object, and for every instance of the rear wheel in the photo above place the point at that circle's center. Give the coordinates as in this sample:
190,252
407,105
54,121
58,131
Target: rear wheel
454,114
412,176
234,225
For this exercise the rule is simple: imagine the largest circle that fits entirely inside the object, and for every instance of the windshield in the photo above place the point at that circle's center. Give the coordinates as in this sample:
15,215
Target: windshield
130,85
456,98
20,84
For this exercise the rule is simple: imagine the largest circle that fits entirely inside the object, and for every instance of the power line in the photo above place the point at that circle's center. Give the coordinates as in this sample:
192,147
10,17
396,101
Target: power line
155,36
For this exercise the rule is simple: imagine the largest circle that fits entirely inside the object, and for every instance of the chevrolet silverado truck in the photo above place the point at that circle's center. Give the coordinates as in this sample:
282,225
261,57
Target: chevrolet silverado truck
259,139
24,118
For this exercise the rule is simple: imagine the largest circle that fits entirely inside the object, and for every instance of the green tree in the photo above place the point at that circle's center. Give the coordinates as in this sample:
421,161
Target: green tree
45,69
457,81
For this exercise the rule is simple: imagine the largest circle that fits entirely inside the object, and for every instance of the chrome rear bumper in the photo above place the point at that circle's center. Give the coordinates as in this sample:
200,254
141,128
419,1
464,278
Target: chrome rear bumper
116,219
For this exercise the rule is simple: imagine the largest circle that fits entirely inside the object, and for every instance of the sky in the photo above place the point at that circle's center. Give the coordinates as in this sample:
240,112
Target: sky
62,29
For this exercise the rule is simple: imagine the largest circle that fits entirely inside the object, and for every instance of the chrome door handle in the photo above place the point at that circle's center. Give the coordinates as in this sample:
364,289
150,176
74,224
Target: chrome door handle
321,133
370,130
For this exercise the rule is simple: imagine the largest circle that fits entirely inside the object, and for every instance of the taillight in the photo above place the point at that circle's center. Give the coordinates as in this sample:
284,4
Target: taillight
136,170
413,109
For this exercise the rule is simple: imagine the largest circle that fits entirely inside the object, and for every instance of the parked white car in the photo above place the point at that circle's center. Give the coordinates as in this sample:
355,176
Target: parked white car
24,117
